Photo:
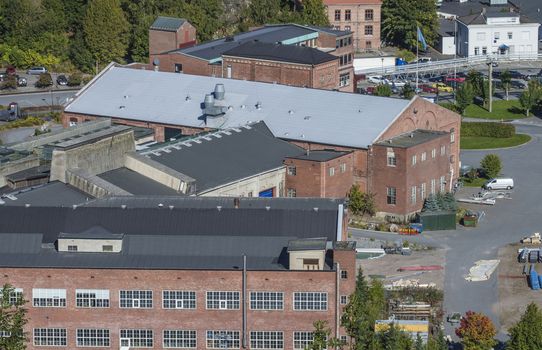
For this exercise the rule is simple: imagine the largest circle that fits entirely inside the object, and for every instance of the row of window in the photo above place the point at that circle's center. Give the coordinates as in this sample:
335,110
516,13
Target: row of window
369,15
345,59
292,170
172,338
344,79
481,36
391,192
343,42
392,160
174,299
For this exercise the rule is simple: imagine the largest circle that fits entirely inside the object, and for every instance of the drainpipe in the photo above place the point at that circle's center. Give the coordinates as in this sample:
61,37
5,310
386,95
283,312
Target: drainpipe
244,301
337,299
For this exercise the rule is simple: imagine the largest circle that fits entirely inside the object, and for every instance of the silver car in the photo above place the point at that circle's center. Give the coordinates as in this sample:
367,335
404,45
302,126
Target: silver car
36,70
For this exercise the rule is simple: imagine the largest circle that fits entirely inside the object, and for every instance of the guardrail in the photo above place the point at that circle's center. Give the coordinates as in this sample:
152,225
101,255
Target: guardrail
449,64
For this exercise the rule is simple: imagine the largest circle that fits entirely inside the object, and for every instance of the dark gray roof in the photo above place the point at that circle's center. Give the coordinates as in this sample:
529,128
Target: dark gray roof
33,173
413,138
218,159
446,27
95,232
54,194
168,24
320,155
470,7
269,34
332,31
281,53
137,184
307,244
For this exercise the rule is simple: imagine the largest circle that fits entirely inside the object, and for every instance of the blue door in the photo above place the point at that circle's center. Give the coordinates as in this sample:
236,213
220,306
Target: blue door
266,193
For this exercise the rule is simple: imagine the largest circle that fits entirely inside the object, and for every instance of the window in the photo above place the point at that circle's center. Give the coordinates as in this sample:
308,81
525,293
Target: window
250,194
178,338
414,159
476,51
178,68
433,186
433,153
424,156
302,340
311,264
343,167
348,41
292,170
266,340
223,300
223,340
337,15
139,338
347,28
16,296
510,35
344,79
392,161
481,36
291,192
344,274
48,297
266,300
93,337
368,30
442,183
310,301
72,248
5,334
442,150
178,299
344,299
369,15
107,248
368,44
452,135
331,171
484,50
413,195
97,298
391,195
136,299
347,15
496,35
50,336
422,191
344,339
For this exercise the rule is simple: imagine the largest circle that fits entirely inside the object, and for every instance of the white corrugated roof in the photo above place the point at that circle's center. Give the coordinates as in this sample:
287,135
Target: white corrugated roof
319,116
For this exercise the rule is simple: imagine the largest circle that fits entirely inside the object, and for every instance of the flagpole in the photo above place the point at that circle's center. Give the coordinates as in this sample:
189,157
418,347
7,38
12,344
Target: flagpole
417,59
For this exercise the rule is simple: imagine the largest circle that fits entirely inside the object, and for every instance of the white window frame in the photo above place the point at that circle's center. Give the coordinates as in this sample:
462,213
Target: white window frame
413,196
414,160
187,299
344,299
180,338
302,339
219,336
266,340
138,338
343,167
223,300
312,304
391,192
433,153
423,191
433,186
442,150
48,296
266,300
331,171
443,183
291,170
291,193
101,297
50,337
134,302
423,156
94,338
391,159
15,296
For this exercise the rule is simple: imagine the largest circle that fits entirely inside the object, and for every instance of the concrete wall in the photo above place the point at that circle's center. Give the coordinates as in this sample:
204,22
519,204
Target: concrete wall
16,166
92,184
296,258
89,245
250,187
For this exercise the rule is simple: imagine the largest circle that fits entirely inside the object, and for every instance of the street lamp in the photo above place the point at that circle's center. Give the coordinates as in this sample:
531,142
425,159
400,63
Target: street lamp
382,60
490,62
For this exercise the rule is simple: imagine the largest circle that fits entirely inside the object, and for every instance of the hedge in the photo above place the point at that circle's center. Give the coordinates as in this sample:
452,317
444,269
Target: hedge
481,129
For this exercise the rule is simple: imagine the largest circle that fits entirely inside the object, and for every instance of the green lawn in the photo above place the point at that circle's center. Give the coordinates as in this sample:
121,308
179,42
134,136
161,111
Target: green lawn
478,182
506,110
476,142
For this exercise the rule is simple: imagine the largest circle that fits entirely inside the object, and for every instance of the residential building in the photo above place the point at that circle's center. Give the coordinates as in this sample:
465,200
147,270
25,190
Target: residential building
446,36
310,118
190,273
168,33
362,17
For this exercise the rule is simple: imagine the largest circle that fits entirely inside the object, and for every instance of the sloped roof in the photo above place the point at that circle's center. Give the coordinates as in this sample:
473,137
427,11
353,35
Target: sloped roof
168,24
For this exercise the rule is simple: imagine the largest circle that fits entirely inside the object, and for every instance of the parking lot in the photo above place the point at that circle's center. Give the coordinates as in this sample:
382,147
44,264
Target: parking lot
31,82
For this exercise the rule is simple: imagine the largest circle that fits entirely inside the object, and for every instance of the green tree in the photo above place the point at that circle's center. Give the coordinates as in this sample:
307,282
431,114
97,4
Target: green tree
407,92
383,90
476,79
394,338
491,165
476,331
437,342
527,333
506,81
321,337
531,96
12,320
355,199
418,344
263,11
44,80
314,13
464,96
106,31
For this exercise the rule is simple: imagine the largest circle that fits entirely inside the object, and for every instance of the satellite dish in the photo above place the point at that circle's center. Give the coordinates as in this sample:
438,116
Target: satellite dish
156,62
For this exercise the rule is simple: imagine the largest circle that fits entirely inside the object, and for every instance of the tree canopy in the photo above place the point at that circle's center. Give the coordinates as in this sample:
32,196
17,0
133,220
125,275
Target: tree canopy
12,319
476,331
527,333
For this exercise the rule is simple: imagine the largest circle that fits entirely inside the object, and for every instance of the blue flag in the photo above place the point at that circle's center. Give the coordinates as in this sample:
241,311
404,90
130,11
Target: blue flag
421,39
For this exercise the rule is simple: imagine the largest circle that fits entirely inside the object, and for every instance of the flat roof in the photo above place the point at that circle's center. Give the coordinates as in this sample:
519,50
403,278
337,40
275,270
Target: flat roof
53,194
135,183
292,113
320,155
168,24
414,138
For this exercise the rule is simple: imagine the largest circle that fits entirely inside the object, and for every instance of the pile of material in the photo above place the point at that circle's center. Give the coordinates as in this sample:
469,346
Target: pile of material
482,270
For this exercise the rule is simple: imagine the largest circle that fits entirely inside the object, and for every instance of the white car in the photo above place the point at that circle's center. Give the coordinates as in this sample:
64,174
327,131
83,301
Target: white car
397,83
36,70
378,79
499,184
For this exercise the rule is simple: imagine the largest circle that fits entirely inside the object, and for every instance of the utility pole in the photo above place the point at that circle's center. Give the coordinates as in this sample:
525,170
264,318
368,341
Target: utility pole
490,106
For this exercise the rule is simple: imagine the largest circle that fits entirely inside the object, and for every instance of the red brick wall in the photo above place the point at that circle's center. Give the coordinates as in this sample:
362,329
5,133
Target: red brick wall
162,41
158,319
191,65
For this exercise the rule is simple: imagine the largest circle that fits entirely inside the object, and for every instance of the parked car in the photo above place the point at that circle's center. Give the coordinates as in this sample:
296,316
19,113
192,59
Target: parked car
370,90
424,60
397,83
499,184
36,70
429,89
62,80
515,74
442,87
377,79
21,81
454,79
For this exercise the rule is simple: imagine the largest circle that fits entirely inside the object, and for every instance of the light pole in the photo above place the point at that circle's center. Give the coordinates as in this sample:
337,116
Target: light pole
490,87
382,60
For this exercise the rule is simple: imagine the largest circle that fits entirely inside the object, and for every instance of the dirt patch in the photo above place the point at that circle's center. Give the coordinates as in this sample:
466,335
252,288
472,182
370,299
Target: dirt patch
388,266
514,291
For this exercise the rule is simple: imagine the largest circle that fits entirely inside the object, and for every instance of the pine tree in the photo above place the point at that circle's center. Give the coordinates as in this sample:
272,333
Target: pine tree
418,344
527,333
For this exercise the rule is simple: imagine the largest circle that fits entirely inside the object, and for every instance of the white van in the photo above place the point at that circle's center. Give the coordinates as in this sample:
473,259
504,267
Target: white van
499,184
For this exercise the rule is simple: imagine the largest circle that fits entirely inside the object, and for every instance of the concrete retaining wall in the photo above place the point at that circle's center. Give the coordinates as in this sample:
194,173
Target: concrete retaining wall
16,166
92,184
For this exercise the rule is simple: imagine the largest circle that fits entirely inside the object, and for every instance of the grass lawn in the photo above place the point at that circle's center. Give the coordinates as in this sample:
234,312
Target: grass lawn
476,142
506,110
478,182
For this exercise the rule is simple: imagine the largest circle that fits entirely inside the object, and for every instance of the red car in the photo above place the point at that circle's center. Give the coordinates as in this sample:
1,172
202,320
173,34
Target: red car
429,89
456,79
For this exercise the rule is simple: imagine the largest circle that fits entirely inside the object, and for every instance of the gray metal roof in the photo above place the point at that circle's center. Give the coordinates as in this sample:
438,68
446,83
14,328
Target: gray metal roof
413,138
220,158
307,244
168,24
320,155
293,113
137,184
54,194
332,31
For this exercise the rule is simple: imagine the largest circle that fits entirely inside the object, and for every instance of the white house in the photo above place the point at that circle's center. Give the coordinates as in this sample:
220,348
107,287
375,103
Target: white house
499,33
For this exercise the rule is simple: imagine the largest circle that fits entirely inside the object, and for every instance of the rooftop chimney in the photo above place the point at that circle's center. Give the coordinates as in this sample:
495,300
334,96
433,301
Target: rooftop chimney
219,92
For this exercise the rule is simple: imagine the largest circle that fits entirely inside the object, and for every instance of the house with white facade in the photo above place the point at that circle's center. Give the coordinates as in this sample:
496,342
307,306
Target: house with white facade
497,33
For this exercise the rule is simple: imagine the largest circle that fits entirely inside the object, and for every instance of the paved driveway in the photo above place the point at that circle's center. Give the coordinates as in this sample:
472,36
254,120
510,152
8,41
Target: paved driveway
506,222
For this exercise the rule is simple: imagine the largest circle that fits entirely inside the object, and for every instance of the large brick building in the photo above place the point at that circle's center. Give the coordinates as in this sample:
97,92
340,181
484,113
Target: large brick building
131,273
207,58
310,118
362,17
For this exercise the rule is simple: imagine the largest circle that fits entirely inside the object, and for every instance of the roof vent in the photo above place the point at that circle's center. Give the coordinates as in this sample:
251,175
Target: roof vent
122,107
210,109
187,98
291,111
219,92
171,207
315,209
411,135
243,106
123,206
126,96
74,206
258,105
267,208
219,207
27,205
160,205
307,117
302,136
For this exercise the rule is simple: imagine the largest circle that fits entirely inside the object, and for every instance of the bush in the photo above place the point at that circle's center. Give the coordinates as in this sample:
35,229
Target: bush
481,129
406,55
451,106
75,79
491,165
44,80
383,90
10,83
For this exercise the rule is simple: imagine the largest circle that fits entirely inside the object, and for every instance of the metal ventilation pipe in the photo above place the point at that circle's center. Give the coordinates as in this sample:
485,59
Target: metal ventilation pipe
209,101
219,92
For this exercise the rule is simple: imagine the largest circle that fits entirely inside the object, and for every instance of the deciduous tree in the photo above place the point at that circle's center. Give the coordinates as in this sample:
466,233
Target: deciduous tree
491,165
506,81
464,96
12,319
314,13
476,331
383,90
531,96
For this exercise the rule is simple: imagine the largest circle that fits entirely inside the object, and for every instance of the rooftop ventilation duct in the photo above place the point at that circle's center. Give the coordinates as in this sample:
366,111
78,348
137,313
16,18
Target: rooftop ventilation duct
219,92
209,107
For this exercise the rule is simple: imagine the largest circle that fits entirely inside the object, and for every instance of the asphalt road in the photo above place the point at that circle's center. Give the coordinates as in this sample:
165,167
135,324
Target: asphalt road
506,222
37,99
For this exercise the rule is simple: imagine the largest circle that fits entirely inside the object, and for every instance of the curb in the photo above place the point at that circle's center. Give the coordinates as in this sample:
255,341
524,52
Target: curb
38,92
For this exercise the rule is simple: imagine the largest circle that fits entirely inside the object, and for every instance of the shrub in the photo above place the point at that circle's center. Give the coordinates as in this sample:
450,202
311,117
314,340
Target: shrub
481,129
44,80
10,83
75,79
383,90
491,165
451,106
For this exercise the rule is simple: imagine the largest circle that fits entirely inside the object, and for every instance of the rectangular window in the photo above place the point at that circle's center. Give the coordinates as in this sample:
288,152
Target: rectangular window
368,44
139,338
368,30
48,297
223,300
337,15
178,338
414,160
510,35
266,300
291,192
344,79
87,298
344,274
442,150
369,15
484,50
5,334
422,191
413,195
347,15
292,170
223,340
433,186
343,167
310,301
93,338
178,68
391,195
136,299
476,51
16,296
311,264
178,299
434,153
266,340
347,28
72,248
392,161
50,336
302,340
331,171
442,183
424,156
497,35
344,299
452,136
